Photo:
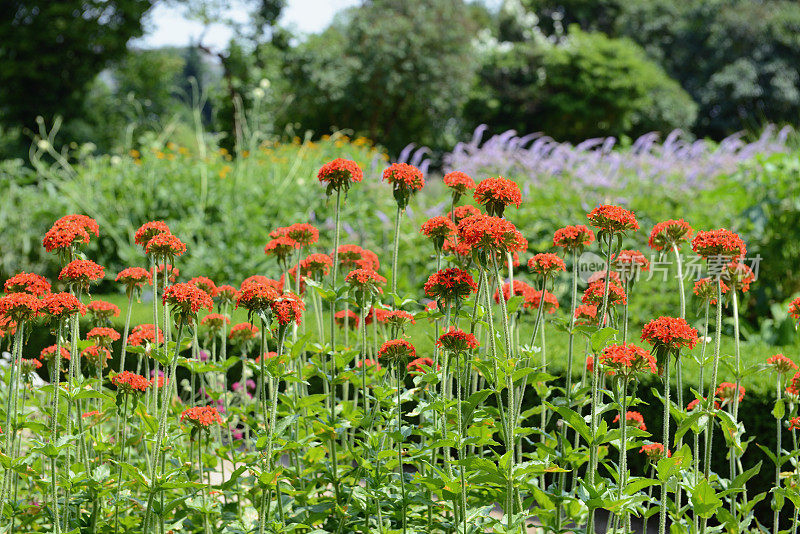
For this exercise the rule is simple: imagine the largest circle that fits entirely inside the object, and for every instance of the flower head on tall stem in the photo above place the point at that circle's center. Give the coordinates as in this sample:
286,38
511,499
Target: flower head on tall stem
144,334
781,364
165,247
19,307
148,231
546,264
206,284
96,355
586,314
60,305
227,295
339,174
573,237
612,219
167,271
462,212
281,248
405,180
669,333
102,336
347,319
533,299
669,234
201,417
627,359
420,366
127,382
594,293
738,276
186,300
794,309
214,322
794,423
68,233
438,230
303,234
27,283
47,355
495,194
103,311
288,308
365,284
521,289
459,183
397,350
726,392
456,340
487,235
243,333
706,290
450,285
654,452
629,263
397,319
719,243
315,266
633,419
258,280
80,273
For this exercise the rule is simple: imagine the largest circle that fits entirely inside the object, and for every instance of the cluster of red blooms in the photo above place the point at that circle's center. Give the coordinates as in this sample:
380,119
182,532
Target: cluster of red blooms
738,276
19,306
460,213
29,366
148,231
404,177
81,273
668,233
242,332
534,299
280,247
396,350
102,335
722,243
670,333
96,355
396,318
573,237
215,321
340,174
491,234
497,193
103,310
165,246
61,305
128,382
438,229
594,293
794,423
288,308
654,451
227,294
364,279
629,261
726,391
346,319
696,402
794,309
48,353
456,340
369,364
167,270
201,416
546,264
460,183
257,295
206,284
187,299
627,359
259,280
450,284
355,256
781,363
521,289
316,264
69,231
419,366
145,333
303,234
27,283
612,219
633,419
706,290
586,314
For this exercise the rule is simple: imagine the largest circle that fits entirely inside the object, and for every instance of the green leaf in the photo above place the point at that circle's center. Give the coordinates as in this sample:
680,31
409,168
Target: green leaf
704,499
574,420
779,410
600,338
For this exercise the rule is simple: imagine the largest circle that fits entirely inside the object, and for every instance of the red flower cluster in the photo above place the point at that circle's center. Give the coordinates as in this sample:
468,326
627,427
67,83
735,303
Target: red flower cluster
794,385
491,234
28,283
303,234
722,243
227,294
586,314
533,299
103,310
459,182
404,176
61,305
396,350
420,366
573,237
48,353
669,233
706,289
280,247
201,416
738,276
456,340
257,295
148,231
165,246
462,212
102,335
594,293
145,333
633,419
612,219
242,332
546,264
671,333
96,355
167,270
69,231
627,359
600,276
355,256
288,308
128,382
316,264
520,289
781,363
450,284
19,306
727,390
438,229
794,423
497,193
696,402
654,451
368,363
259,280
364,280
81,273
794,309
204,283
628,262
27,366
215,321
186,299
346,319
340,174
396,318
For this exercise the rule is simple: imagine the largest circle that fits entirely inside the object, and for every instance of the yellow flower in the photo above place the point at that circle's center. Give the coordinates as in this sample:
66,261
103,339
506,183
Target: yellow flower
134,153
223,173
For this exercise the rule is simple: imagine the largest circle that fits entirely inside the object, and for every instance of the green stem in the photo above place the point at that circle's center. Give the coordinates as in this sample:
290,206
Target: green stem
396,248
778,424
400,450
662,522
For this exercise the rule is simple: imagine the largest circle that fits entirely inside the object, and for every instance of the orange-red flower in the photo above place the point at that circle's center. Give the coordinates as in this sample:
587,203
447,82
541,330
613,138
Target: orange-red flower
19,306
96,355
288,308
781,363
533,299
794,423
460,183
369,364
706,290
27,283
627,359
48,353
81,273
794,309
546,264
594,293
167,270
462,212
491,234
497,193
438,229
722,243
186,300
573,237
227,294
450,284
668,233
242,332
727,390
215,321
303,234
148,231
340,174
102,335
69,231
143,334
456,340
397,318
696,402
404,177
586,314
60,305
420,366
738,276
128,382
612,219
204,283
654,451
316,265
103,310
257,295
396,350
165,246
629,262
670,333
633,419
346,319
202,417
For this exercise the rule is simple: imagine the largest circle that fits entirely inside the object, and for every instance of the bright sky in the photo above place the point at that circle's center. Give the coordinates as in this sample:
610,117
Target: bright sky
167,26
